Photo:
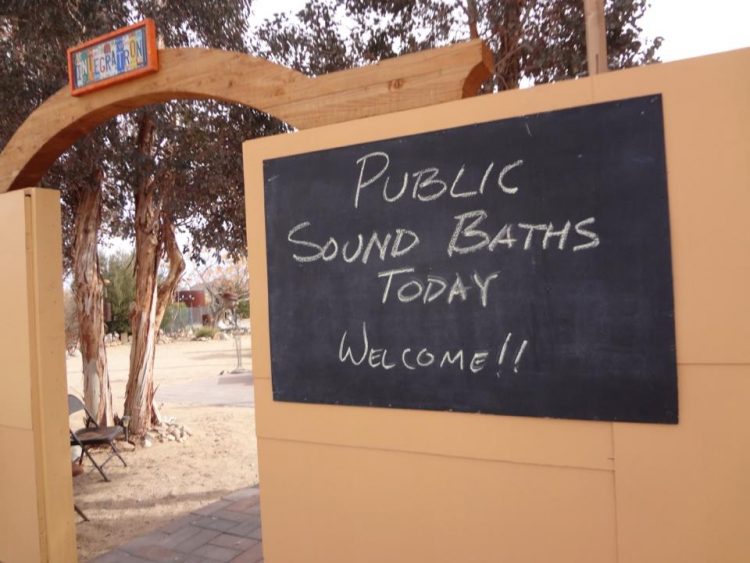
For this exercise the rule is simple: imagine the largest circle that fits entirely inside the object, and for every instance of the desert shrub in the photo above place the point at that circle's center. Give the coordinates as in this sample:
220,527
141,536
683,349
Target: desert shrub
174,317
243,309
205,332
117,270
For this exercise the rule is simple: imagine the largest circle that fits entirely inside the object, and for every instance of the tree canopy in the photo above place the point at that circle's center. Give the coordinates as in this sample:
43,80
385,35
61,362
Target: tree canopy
536,41
179,164
197,156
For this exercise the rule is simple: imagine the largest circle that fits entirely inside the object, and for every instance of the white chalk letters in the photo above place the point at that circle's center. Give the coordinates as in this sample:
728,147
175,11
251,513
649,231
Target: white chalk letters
403,279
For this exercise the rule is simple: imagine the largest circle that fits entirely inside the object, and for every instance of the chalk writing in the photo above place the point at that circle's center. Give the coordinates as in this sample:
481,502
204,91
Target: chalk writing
469,233
363,352
429,289
517,267
427,184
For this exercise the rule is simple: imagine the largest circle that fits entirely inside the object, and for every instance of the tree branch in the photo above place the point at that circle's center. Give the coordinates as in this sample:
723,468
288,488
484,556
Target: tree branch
166,288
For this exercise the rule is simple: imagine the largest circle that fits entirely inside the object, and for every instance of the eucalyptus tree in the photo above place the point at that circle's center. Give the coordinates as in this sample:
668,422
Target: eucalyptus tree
179,164
532,41
138,176
183,168
33,43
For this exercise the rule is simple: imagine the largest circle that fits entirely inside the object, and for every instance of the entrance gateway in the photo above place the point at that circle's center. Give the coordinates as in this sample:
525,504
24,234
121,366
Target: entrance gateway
35,490
408,478
572,194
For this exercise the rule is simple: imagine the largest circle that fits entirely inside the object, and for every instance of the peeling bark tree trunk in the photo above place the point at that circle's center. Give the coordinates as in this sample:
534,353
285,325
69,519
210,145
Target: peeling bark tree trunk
508,66
139,391
151,303
166,289
154,231
89,291
472,16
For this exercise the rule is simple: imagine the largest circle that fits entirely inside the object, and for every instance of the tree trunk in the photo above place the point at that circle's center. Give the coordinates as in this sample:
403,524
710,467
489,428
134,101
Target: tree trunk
139,390
166,289
472,16
508,66
89,291
154,231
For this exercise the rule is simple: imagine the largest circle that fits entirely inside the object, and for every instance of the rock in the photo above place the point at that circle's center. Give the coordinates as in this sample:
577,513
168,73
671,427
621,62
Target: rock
170,438
146,442
187,431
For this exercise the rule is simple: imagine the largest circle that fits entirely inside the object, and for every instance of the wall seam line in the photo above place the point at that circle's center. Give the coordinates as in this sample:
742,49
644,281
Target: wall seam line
614,494
432,454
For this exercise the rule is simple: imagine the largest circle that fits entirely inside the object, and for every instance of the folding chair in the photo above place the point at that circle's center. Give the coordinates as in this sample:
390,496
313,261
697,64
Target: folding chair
93,435
80,513
77,470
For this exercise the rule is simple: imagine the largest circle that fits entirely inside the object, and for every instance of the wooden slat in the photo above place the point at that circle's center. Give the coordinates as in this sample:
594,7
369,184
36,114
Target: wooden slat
407,82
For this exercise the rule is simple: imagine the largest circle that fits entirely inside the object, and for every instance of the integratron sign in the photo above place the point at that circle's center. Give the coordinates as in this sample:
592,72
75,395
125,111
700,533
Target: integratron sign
121,55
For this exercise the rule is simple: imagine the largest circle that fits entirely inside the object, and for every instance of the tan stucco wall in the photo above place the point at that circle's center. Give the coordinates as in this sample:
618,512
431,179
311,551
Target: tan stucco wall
36,499
345,484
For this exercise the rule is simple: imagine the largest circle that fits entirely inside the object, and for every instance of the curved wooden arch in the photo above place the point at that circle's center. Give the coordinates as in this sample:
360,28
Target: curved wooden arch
420,79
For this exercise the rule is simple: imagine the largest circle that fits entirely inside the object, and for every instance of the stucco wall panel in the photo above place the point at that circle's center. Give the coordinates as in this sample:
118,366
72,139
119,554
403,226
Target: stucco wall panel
375,506
683,491
680,493
36,500
15,401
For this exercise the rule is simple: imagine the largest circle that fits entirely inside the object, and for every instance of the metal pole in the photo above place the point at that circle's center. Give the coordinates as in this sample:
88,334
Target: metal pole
238,348
596,36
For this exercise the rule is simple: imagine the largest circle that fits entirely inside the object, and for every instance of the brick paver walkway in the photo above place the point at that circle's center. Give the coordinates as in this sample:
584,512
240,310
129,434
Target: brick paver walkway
227,530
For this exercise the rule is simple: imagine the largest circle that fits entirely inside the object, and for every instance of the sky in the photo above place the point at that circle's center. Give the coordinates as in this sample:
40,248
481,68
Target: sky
691,28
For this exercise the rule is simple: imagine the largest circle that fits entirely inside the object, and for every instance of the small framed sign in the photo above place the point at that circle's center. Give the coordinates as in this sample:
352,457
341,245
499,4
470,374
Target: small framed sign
115,57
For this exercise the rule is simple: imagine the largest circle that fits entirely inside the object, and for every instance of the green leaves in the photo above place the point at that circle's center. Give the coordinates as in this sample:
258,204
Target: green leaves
196,161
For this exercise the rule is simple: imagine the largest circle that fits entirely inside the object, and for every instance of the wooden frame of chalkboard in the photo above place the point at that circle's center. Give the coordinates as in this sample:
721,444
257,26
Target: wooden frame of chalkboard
516,267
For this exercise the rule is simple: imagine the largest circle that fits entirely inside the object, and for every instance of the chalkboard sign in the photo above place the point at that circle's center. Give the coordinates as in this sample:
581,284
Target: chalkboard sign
517,267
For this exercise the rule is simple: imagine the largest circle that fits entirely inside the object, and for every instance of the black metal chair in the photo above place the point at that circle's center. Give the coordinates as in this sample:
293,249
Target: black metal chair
78,470
93,435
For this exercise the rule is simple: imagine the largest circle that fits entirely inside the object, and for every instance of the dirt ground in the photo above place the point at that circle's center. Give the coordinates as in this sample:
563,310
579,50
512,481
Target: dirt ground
170,479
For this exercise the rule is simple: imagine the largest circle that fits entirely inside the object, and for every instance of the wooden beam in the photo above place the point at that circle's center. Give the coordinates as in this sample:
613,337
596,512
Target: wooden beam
596,36
419,79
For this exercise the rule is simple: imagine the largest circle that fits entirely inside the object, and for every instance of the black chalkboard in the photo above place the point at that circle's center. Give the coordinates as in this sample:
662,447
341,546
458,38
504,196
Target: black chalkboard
519,267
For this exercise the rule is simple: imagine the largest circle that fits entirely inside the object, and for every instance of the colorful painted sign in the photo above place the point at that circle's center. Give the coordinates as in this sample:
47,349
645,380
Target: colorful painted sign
121,55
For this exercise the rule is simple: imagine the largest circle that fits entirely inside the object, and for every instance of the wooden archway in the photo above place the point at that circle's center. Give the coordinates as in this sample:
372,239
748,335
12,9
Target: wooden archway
35,494
420,79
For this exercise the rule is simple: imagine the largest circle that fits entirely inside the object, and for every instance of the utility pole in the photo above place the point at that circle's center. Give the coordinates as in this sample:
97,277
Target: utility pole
596,36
